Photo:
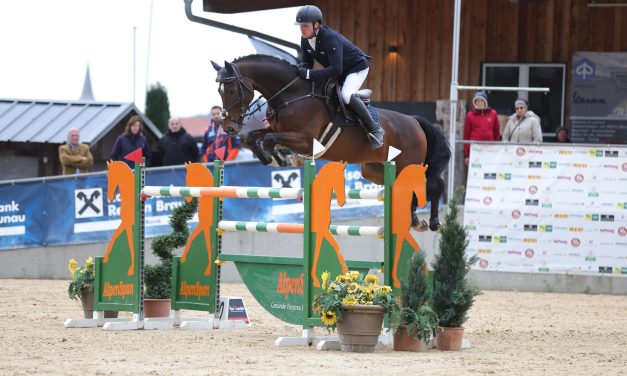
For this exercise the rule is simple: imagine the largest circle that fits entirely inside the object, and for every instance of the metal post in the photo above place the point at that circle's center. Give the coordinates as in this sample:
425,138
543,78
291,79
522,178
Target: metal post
453,98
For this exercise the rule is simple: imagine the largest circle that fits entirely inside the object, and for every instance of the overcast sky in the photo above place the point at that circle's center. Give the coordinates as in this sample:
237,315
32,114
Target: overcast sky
46,46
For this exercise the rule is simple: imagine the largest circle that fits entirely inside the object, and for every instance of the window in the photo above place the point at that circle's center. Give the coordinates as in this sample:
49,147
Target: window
548,106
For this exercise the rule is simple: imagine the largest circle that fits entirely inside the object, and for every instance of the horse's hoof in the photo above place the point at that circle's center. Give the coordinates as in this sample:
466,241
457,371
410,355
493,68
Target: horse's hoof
421,226
434,224
295,160
280,159
264,158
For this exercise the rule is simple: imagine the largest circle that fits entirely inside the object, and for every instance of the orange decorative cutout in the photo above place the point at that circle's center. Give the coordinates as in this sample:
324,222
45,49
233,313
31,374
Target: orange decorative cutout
330,178
199,176
410,181
120,175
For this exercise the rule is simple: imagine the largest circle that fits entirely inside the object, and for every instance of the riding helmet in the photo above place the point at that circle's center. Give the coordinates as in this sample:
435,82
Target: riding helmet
308,13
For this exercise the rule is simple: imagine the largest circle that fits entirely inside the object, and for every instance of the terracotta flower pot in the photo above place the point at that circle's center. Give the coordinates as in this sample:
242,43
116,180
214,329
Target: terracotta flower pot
157,307
449,339
360,327
405,342
87,301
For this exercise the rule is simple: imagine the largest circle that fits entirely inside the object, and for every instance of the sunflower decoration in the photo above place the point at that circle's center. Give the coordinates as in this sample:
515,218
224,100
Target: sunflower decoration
350,289
82,277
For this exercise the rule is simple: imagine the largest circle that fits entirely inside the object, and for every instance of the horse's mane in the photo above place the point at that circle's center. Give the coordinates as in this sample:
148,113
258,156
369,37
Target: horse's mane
265,59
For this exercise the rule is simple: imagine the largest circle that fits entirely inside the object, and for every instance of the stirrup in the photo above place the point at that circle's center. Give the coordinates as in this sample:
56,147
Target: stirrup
374,142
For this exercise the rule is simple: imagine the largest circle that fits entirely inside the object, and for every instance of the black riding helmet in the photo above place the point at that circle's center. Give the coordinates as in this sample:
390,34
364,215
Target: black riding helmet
308,13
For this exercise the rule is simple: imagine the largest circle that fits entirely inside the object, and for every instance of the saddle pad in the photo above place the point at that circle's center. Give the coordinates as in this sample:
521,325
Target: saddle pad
374,114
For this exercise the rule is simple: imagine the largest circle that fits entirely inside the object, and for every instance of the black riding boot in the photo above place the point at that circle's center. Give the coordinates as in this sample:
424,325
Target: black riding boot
375,132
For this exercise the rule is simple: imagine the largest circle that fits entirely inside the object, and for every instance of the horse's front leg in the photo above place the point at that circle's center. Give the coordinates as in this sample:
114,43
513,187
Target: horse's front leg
252,139
295,141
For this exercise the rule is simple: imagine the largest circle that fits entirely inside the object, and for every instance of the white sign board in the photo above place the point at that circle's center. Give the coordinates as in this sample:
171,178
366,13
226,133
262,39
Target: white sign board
547,208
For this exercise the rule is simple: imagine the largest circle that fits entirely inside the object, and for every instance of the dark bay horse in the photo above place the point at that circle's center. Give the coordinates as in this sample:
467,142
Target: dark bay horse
298,113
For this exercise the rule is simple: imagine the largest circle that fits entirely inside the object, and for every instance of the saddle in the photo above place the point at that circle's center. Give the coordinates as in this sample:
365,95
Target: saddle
340,113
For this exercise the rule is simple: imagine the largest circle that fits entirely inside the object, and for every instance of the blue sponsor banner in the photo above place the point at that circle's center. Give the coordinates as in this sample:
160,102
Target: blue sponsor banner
23,217
76,209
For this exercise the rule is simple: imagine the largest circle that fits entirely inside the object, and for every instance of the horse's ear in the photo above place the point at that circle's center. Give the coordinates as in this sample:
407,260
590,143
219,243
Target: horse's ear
229,67
216,66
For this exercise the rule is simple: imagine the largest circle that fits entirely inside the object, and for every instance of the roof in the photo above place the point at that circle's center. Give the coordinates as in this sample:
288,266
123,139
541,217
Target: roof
23,120
237,6
196,126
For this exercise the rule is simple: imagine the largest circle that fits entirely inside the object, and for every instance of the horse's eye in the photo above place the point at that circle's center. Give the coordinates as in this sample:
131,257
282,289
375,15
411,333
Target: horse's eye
224,114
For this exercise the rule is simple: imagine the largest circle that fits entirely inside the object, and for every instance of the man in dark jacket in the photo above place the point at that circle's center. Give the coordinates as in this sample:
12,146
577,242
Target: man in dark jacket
177,146
341,59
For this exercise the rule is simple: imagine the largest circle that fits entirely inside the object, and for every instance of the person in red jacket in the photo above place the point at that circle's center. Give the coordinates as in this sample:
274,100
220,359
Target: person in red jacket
482,123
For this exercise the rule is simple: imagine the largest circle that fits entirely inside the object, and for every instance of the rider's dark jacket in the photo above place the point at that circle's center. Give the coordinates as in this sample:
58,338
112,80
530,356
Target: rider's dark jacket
335,53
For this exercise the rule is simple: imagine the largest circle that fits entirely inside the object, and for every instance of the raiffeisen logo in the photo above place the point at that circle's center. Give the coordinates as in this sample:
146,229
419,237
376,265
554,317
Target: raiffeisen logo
584,70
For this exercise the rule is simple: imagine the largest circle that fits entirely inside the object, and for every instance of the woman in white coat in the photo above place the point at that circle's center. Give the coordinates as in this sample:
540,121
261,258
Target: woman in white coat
523,126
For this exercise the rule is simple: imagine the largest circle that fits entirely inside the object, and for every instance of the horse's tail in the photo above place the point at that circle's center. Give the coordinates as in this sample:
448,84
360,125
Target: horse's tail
438,149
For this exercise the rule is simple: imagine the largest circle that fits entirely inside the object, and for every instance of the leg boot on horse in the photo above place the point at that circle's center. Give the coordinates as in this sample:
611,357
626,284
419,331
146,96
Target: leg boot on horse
375,132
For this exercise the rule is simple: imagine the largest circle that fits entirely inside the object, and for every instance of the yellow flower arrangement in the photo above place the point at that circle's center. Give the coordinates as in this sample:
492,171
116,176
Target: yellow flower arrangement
82,277
351,289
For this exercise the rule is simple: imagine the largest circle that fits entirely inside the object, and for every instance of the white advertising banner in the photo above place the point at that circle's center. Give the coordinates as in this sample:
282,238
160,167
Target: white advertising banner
547,208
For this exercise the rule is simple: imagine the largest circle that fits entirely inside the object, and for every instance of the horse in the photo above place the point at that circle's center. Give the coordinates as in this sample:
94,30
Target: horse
298,114
330,178
120,175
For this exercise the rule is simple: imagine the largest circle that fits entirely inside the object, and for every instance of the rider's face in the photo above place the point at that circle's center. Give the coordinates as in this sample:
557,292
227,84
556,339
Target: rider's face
307,30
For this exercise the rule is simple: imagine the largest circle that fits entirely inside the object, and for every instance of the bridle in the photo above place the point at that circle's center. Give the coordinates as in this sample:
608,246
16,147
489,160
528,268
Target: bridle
240,96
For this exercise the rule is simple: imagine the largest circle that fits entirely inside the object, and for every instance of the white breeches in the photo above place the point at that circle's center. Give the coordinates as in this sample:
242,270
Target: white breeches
353,83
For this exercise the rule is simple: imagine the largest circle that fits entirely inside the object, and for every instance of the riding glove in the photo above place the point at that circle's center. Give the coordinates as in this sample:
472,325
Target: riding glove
303,73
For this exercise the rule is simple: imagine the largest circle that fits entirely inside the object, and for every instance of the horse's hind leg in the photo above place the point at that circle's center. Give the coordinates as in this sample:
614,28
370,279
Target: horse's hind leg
435,187
416,223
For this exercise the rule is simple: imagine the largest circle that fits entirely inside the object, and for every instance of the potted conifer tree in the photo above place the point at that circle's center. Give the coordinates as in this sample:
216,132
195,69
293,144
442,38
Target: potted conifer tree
452,296
415,321
158,277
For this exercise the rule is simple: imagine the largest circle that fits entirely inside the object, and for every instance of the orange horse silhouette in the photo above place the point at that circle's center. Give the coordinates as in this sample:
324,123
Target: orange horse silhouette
199,176
329,178
120,175
410,181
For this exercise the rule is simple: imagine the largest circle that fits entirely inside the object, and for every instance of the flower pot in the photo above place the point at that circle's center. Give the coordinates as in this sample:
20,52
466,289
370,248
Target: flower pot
157,307
449,339
87,301
360,327
405,342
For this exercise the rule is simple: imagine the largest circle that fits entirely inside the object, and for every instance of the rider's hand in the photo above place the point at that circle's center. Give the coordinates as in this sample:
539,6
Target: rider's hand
303,73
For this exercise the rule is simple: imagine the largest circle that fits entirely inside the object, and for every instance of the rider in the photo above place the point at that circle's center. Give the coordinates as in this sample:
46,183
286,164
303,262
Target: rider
341,59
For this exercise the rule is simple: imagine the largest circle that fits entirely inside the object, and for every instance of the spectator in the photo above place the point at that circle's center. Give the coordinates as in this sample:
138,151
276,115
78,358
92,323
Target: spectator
523,126
177,146
129,141
215,138
482,123
561,135
75,157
